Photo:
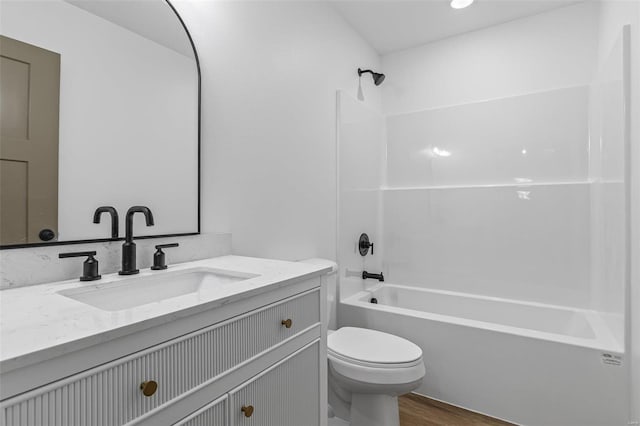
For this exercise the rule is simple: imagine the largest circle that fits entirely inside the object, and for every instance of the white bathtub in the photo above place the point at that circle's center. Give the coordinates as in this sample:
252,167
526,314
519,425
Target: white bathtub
528,363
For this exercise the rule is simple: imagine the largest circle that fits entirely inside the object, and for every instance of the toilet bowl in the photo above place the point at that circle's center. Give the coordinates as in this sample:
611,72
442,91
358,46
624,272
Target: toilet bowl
368,369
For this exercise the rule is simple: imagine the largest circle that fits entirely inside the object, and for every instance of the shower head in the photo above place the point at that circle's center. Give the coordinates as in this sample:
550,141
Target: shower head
377,77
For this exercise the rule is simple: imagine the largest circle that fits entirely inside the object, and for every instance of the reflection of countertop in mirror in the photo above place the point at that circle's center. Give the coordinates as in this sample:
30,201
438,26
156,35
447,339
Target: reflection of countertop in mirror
38,323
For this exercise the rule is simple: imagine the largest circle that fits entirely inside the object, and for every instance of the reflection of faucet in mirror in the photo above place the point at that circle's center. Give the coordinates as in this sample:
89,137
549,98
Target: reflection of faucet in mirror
115,227
129,247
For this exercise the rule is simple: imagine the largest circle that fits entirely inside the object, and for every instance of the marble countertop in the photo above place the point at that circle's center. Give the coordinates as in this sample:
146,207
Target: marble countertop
38,323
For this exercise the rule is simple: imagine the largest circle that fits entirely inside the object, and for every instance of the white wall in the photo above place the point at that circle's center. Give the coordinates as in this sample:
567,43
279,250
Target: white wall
270,75
493,122
542,52
535,138
122,142
634,296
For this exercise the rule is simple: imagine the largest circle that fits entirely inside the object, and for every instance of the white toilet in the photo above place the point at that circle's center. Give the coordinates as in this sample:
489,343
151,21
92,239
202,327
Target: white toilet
368,369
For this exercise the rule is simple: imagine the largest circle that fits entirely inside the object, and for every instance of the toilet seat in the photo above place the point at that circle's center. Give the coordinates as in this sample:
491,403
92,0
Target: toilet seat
362,363
372,347
374,357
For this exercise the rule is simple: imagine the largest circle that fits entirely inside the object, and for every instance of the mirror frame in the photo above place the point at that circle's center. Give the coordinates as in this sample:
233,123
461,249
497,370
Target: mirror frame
199,149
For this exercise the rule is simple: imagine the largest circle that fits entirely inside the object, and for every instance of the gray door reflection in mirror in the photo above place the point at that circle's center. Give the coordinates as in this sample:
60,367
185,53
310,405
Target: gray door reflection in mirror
29,94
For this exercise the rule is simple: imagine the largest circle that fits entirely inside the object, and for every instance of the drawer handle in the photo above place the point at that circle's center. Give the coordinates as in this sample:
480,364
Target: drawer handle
287,323
247,410
149,388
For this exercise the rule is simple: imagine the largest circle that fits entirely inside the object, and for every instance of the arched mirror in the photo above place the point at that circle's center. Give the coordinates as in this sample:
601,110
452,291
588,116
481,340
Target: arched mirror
100,105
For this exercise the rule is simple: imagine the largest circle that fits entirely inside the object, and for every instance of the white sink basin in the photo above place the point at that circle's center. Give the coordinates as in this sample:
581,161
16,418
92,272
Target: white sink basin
130,292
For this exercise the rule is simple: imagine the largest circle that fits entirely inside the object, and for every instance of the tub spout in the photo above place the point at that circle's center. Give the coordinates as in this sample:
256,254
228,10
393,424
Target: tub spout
378,277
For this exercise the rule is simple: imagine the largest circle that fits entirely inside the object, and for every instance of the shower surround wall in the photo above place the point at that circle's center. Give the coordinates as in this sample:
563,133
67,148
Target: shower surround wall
519,165
608,170
522,124
360,149
488,160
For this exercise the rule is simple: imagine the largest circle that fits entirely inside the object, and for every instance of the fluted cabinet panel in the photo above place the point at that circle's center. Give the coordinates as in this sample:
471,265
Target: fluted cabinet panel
286,394
213,414
110,395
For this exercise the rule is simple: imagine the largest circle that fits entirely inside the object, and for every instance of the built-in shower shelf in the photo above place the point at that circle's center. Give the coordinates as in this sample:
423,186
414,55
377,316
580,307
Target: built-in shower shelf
500,185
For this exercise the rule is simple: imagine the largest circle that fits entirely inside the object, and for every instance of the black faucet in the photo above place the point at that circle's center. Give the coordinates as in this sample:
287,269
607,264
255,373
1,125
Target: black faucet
90,266
129,247
115,229
378,277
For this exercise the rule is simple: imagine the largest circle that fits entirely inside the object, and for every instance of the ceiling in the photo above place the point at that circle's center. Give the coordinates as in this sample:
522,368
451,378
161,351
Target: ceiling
151,19
392,25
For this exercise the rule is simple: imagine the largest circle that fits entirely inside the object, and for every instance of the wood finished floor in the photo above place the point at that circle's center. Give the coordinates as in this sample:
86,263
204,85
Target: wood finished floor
416,410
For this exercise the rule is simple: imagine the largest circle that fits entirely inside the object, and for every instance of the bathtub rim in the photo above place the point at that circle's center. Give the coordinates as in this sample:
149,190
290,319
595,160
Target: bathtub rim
604,341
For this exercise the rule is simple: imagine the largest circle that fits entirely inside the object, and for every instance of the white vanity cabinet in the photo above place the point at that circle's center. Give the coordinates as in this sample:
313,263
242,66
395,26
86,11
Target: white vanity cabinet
269,359
214,413
287,393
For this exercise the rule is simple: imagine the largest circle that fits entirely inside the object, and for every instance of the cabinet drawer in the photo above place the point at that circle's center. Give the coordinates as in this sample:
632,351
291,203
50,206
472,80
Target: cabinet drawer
213,414
110,395
287,394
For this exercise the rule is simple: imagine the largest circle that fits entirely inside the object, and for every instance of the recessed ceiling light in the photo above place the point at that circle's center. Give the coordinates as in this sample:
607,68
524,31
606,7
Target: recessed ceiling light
460,4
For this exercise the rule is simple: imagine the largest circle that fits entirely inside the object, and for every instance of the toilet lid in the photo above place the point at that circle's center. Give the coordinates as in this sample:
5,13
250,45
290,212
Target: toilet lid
372,346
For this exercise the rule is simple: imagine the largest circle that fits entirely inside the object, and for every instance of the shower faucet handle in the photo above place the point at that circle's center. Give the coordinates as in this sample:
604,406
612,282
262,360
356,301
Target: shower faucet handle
371,245
364,245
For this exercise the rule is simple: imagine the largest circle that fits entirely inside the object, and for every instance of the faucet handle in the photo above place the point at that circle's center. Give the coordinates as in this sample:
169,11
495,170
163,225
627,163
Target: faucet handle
159,258
161,246
364,245
89,267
